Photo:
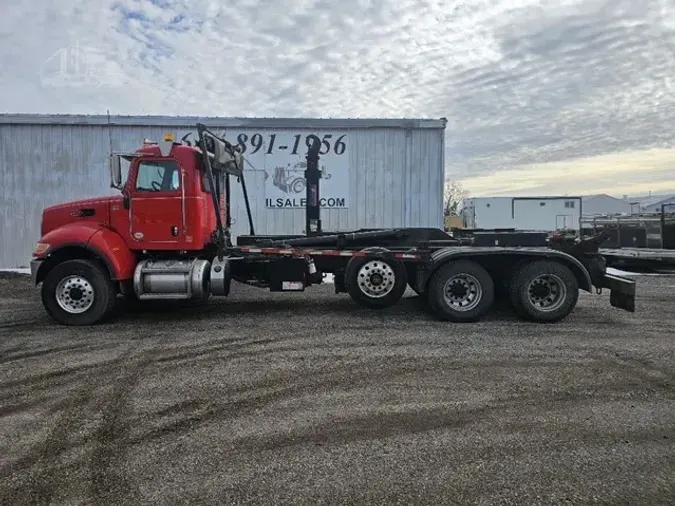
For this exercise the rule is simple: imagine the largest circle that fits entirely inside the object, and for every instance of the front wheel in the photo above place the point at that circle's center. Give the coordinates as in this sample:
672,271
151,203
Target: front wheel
544,291
461,291
78,292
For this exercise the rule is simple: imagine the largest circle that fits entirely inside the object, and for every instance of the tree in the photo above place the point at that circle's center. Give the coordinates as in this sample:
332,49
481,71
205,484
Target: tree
453,195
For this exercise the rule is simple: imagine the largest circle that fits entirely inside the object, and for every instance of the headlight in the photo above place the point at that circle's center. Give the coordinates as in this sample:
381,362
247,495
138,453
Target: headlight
40,249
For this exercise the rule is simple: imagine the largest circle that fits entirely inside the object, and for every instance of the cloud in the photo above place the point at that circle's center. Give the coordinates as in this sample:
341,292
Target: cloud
525,84
583,176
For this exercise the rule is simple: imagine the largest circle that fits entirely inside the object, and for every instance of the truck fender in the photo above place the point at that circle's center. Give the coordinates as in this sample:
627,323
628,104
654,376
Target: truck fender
69,235
112,249
85,240
442,256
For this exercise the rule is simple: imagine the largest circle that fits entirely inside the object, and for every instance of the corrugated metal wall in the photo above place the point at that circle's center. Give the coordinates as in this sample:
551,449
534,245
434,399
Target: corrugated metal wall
396,171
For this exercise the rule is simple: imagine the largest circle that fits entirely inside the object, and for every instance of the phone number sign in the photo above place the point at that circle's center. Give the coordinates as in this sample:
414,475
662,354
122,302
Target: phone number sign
281,154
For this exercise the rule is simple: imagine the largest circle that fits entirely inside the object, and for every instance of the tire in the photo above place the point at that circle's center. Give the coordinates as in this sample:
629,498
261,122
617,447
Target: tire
544,291
369,292
85,288
474,297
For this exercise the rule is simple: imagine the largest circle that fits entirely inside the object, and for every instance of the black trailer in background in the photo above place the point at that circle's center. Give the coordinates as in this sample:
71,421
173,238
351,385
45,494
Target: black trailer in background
651,231
638,241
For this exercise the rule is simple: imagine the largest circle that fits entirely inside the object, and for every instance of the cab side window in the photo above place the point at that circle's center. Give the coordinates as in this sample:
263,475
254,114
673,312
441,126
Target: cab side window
158,176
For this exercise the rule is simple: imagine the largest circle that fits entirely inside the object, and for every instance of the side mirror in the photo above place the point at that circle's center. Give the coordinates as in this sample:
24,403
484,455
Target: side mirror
115,172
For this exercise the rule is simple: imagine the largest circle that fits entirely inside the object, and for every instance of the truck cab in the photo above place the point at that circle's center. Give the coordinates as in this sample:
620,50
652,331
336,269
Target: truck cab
165,203
166,200
169,206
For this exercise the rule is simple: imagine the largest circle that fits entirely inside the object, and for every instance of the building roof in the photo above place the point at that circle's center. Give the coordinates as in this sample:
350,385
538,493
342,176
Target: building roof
643,201
651,200
603,195
221,122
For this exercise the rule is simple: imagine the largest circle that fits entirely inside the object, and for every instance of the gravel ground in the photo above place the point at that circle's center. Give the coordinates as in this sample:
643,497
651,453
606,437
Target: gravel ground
308,399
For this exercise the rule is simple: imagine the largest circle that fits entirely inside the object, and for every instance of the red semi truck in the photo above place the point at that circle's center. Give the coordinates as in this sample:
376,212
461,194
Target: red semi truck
167,236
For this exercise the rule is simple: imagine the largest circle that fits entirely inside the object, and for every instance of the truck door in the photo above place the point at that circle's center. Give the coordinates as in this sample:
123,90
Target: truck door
156,210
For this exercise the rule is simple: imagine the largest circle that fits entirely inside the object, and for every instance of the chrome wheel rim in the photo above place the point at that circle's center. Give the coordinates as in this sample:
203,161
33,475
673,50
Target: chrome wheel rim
462,292
547,292
74,294
376,279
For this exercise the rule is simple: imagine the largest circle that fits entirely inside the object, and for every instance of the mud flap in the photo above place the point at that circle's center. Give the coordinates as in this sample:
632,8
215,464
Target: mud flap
622,292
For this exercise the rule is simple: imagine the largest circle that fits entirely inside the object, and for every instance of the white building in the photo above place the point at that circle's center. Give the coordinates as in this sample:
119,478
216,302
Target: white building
602,204
546,213
549,213
377,173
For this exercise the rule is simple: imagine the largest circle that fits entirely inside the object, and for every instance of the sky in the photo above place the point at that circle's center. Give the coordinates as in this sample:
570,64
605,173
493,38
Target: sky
542,97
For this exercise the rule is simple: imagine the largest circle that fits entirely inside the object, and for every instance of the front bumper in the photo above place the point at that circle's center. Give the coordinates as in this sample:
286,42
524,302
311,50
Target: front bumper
34,267
622,291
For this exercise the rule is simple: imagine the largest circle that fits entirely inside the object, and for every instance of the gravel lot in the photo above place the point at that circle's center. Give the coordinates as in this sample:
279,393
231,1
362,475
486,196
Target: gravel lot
308,399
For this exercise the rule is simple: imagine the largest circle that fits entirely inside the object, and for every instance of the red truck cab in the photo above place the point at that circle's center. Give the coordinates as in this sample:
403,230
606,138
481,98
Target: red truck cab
164,205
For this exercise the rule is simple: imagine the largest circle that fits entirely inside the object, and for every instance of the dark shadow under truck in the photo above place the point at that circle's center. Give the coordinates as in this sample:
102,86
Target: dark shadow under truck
167,236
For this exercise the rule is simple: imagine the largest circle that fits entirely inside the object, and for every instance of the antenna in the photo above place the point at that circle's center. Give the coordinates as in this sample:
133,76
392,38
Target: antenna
109,133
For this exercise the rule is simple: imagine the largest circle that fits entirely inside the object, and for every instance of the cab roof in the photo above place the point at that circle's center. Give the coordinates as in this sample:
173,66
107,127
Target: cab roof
167,149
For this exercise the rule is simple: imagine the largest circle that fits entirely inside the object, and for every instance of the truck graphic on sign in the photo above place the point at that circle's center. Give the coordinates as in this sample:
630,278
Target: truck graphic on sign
290,179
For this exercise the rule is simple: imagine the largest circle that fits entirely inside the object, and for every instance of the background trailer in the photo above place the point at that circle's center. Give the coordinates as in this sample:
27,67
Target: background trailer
545,214
377,173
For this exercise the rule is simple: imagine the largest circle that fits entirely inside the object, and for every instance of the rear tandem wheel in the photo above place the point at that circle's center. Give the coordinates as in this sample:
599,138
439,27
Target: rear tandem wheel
543,291
461,291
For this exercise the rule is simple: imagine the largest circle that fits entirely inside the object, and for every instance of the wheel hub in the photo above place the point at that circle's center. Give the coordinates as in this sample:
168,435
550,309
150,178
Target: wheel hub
541,290
376,279
459,290
74,294
463,292
547,292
